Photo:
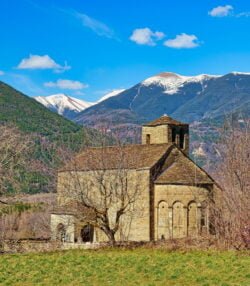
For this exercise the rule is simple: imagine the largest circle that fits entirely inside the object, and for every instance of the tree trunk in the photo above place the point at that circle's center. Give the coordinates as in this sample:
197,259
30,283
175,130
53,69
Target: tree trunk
111,236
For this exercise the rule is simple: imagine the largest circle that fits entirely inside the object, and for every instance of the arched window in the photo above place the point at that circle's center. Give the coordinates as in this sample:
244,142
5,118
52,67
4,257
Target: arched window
178,220
163,221
204,218
192,219
87,233
61,232
148,139
182,138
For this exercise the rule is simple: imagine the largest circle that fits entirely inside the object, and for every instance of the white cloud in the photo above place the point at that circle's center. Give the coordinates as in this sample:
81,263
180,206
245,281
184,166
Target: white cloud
1,72
243,14
41,62
66,84
145,36
96,26
79,93
221,11
182,41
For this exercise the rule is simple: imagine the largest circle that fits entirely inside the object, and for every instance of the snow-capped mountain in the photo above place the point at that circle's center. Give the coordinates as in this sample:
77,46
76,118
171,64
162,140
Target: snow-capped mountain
69,106
172,82
110,94
186,98
63,104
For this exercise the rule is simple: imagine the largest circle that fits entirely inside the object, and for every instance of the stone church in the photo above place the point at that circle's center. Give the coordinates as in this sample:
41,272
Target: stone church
173,193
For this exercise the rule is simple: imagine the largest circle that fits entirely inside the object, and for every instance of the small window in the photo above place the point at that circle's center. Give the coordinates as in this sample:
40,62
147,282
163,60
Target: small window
148,139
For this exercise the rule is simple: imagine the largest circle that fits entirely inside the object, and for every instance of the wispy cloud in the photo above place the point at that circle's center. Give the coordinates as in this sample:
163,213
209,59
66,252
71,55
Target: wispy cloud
98,27
25,84
183,41
146,36
227,10
79,93
221,11
243,14
2,72
42,62
66,84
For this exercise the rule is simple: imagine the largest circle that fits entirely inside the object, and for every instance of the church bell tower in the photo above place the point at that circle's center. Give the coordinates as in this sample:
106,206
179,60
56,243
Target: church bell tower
166,130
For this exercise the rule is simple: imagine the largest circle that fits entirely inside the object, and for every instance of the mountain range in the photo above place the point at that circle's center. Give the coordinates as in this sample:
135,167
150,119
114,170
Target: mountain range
189,99
69,106
203,101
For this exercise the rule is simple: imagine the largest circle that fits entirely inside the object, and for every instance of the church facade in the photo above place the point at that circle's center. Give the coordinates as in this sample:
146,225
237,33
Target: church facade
173,193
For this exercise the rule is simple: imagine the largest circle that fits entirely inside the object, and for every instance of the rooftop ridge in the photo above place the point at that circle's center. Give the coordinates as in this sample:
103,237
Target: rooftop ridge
164,119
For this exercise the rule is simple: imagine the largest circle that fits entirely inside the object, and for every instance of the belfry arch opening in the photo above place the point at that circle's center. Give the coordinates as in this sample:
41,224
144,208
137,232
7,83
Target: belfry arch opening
173,135
182,134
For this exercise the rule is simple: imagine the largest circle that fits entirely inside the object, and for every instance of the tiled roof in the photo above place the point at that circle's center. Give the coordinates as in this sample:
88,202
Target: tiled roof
183,170
118,157
165,119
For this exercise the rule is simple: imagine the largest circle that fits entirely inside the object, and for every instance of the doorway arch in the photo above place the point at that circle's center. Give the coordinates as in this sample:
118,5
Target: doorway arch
87,233
61,232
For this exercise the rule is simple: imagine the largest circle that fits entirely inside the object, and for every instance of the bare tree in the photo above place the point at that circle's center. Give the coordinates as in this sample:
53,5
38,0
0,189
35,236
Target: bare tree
232,218
14,147
105,184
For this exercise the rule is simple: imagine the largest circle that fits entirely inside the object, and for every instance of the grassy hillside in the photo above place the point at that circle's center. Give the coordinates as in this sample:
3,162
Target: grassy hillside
126,267
30,117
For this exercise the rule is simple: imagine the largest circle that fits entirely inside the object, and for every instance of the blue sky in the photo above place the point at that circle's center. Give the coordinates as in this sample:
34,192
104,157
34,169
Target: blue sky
86,48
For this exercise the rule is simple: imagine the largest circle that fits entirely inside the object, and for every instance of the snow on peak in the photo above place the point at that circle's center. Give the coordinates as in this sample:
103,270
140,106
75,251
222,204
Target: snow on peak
171,82
61,102
110,94
240,73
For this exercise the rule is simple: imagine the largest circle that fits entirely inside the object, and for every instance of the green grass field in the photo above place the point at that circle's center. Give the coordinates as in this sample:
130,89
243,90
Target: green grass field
126,267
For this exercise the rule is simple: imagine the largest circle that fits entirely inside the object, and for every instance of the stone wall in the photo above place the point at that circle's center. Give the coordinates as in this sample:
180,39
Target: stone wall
179,211
163,134
62,227
135,224
158,134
